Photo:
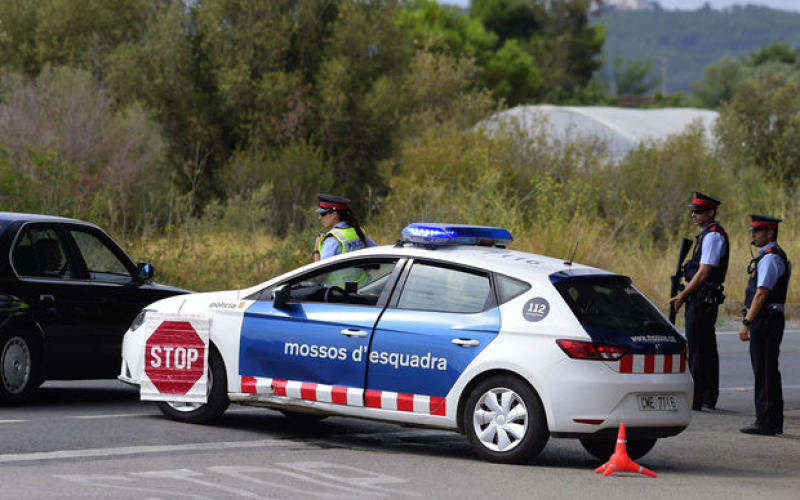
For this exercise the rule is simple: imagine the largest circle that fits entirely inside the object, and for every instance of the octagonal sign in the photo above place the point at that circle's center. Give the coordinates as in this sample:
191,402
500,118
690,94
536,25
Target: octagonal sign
175,358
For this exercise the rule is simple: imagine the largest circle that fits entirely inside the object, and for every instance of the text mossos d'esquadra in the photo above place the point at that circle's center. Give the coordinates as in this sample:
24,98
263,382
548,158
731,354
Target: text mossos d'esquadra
394,359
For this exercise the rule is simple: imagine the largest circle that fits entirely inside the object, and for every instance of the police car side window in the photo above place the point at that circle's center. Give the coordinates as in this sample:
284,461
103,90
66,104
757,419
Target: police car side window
433,288
509,288
360,284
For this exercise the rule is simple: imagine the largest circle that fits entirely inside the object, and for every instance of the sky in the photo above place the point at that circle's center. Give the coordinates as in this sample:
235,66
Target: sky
696,4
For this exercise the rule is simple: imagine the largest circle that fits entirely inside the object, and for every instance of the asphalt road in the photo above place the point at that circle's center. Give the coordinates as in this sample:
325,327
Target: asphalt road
96,440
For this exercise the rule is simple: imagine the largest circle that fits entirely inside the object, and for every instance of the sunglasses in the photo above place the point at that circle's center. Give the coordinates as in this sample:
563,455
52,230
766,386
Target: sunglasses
698,211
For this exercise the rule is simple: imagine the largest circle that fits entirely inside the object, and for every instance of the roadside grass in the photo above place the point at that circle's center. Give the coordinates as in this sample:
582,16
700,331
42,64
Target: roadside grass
213,258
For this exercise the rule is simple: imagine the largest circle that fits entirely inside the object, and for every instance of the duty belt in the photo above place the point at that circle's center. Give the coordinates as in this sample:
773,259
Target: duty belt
710,293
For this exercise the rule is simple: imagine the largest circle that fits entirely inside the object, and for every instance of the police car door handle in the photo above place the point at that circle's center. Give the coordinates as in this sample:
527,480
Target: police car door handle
354,333
466,342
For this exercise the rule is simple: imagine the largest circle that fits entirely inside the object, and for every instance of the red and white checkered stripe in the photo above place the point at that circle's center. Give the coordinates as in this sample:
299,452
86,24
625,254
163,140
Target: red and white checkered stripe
650,363
341,395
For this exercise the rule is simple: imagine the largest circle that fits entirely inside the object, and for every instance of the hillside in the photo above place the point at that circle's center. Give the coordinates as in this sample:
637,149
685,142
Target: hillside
689,40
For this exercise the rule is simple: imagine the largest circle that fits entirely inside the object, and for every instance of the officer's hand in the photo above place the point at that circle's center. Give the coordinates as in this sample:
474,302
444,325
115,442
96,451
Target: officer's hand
316,242
744,335
676,302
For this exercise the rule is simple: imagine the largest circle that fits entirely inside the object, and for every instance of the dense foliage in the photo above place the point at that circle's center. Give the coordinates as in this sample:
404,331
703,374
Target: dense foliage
200,131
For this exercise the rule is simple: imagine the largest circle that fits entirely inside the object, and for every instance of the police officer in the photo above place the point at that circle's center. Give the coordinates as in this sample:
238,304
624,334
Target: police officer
763,323
343,234
704,274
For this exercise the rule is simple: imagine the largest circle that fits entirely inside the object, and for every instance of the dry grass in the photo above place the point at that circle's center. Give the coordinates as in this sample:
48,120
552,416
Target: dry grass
216,259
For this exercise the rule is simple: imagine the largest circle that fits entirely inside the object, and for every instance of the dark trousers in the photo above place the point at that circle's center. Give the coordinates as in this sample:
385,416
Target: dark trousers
766,335
703,357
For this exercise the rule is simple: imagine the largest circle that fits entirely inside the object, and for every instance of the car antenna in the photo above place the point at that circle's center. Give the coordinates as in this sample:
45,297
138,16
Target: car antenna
572,257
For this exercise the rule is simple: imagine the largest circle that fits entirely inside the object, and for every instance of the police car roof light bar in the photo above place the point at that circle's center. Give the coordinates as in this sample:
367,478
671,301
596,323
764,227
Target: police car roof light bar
440,234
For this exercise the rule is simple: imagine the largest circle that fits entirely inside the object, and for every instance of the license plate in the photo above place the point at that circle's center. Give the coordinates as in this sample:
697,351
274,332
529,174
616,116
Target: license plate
658,402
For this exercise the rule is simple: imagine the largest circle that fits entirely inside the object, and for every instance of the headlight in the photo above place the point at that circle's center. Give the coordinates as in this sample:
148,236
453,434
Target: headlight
138,320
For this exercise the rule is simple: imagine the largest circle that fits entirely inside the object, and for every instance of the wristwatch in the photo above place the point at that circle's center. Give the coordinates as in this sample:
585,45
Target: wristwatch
747,323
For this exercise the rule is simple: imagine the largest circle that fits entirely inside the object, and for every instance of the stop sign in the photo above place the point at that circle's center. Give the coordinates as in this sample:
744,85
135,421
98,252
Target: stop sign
174,358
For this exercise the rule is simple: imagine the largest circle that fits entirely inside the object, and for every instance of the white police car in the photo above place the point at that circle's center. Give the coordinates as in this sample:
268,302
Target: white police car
446,329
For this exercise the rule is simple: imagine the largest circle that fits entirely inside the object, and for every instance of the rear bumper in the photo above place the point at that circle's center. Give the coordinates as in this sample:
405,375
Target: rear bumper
587,399
631,433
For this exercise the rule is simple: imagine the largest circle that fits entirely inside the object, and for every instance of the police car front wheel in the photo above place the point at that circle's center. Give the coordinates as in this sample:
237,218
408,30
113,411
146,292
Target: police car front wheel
216,403
504,420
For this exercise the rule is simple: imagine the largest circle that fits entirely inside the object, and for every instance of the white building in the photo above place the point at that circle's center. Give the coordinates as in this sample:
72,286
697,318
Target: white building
620,129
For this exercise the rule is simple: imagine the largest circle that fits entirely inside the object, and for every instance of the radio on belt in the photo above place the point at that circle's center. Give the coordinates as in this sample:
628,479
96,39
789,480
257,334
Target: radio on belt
441,234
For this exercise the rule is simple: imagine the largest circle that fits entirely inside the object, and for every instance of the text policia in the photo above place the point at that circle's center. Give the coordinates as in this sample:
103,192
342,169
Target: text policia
394,359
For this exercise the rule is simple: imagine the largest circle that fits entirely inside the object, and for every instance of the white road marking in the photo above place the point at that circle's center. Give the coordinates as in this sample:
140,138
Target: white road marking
138,450
195,478
12,421
118,415
306,479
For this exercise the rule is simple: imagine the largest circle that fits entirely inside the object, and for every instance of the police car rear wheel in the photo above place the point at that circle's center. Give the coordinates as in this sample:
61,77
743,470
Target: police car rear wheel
504,420
603,449
217,401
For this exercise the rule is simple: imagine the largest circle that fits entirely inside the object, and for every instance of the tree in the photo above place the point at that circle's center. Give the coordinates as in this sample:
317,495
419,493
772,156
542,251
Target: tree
760,125
775,51
719,85
635,78
556,33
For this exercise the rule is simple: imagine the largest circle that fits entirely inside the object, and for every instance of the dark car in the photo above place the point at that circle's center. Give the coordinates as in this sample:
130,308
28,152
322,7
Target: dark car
68,293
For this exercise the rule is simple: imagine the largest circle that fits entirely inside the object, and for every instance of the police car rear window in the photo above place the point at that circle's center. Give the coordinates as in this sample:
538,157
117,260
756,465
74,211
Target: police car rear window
613,303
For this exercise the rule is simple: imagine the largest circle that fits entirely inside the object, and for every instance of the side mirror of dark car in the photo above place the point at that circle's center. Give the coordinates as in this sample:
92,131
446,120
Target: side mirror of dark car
144,271
280,296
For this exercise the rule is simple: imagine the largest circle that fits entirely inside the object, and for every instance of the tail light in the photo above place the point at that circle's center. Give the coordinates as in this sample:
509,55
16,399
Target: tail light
579,349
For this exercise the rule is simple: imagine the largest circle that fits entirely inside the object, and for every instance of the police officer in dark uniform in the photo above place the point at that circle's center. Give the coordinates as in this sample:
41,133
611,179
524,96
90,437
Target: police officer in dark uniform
704,274
763,323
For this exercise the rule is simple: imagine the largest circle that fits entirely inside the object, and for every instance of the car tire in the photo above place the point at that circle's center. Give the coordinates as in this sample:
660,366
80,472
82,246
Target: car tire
217,401
504,420
603,448
19,371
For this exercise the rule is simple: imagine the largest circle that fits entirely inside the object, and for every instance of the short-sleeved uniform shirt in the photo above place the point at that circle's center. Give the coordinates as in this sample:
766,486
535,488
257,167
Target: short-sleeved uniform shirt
770,267
713,249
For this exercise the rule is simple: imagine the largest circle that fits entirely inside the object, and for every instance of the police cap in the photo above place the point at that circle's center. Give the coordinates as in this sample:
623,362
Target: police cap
702,201
328,203
763,222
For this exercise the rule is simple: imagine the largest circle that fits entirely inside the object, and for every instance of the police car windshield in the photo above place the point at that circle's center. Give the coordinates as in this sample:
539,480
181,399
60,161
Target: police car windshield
612,303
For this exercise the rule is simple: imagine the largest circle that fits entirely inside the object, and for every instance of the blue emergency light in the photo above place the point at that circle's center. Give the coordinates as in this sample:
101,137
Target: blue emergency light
439,234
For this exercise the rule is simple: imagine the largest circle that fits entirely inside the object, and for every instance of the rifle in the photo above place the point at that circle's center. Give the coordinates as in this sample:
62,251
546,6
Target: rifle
675,279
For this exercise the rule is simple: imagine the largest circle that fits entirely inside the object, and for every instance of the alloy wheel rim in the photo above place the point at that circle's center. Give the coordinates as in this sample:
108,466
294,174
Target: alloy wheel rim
500,419
16,365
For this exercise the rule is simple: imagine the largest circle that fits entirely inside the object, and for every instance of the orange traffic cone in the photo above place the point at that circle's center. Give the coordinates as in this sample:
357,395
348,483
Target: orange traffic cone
620,461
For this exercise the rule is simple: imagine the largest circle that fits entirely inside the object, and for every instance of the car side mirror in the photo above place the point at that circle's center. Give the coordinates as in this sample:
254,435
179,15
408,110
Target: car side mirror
280,296
144,271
